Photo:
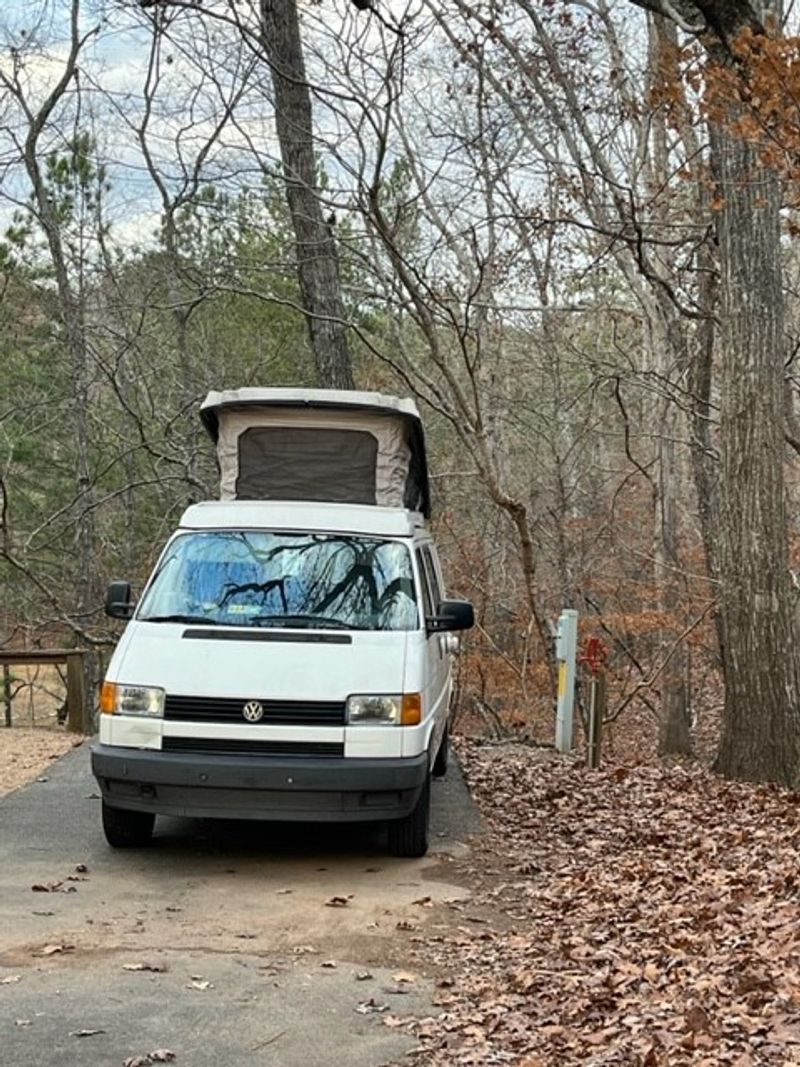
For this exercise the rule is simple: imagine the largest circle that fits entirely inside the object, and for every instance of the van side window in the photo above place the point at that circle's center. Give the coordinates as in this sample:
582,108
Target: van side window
427,600
432,574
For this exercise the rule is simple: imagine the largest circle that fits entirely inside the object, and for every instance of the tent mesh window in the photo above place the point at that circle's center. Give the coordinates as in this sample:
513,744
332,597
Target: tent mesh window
294,463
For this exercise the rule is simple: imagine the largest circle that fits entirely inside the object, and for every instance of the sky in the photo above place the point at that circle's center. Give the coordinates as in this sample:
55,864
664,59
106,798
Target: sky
192,78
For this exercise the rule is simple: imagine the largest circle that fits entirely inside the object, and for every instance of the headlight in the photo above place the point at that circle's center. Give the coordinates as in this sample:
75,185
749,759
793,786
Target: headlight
131,700
394,710
374,710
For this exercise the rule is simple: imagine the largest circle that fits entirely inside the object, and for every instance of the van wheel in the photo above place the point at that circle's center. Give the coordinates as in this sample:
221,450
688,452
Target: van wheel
408,837
127,829
440,764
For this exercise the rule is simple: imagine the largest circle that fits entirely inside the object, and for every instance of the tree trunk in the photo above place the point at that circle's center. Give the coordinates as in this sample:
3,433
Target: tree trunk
762,688
317,259
759,640
675,734
72,311
665,345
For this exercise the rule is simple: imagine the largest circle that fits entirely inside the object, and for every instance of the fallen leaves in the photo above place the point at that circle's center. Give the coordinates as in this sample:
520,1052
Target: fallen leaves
80,875
370,1007
156,968
54,949
696,1019
641,916
338,902
160,1055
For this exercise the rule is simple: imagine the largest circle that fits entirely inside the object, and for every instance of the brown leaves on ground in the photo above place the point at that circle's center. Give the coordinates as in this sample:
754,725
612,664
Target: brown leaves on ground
54,950
641,916
159,1055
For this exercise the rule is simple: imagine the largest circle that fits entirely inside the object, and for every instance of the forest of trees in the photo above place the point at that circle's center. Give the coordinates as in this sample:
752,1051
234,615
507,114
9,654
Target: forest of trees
566,227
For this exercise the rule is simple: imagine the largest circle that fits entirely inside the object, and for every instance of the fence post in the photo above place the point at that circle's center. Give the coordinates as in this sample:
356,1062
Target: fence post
77,718
597,713
7,693
594,657
566,647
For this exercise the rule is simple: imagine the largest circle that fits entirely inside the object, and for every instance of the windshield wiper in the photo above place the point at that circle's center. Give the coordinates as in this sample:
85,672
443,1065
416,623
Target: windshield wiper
196,619
306,622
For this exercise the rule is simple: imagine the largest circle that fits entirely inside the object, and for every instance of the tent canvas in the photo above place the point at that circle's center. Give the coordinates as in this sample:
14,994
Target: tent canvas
320,445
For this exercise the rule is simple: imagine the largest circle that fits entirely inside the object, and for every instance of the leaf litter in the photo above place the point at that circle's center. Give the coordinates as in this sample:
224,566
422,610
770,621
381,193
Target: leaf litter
638,916
159,1055
54,949
339,901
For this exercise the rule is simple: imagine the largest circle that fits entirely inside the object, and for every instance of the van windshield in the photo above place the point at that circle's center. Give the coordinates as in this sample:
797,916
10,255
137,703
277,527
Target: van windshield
253,578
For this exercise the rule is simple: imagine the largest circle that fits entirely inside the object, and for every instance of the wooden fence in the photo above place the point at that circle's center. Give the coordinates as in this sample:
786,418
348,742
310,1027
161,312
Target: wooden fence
79,715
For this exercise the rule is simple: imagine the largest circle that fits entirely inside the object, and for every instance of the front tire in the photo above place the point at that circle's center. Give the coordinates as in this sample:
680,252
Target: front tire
127,829
442,760
408,837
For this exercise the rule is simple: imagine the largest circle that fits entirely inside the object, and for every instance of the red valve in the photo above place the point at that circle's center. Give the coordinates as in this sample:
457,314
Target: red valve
595,655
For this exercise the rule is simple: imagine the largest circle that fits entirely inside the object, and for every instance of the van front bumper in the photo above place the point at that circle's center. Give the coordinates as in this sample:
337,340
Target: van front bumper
258,787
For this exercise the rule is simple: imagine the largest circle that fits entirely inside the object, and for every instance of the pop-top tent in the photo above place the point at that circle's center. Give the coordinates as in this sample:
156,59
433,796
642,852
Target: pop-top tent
319,444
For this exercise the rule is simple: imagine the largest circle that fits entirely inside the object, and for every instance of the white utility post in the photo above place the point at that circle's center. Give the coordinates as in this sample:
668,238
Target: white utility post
566,649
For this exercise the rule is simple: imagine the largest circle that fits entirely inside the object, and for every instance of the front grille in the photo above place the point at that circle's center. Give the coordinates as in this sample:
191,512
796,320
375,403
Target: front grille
276,712
220,746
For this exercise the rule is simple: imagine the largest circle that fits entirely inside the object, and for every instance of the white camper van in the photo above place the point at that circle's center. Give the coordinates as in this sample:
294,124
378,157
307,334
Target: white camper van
290,655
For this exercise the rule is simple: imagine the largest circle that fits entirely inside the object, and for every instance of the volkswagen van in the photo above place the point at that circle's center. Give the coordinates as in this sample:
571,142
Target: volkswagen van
290,657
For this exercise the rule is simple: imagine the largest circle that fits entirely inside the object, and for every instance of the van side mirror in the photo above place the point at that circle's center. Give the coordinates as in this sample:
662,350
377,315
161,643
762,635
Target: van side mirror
452,615
119,604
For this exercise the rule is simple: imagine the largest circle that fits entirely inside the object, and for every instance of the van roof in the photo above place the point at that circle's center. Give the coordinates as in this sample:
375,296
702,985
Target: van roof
346,399
301,516
258,464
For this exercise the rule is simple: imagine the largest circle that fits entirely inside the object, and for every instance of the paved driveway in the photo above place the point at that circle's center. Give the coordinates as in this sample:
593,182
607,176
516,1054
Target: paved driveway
222,943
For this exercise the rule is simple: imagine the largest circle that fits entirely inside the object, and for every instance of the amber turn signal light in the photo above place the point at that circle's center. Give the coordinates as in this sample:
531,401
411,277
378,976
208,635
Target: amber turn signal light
411,714
108,698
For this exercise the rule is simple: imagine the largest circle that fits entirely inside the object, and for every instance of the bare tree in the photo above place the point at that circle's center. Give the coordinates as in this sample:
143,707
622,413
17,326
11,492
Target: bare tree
275,38
30,138
603,151
317,258
762,671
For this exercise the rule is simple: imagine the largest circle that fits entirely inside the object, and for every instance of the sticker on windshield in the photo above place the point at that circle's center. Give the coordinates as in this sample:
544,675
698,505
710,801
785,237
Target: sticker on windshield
243,609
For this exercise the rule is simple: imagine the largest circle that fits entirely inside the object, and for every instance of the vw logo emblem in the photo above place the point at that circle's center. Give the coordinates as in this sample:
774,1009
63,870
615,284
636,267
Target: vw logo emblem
253,711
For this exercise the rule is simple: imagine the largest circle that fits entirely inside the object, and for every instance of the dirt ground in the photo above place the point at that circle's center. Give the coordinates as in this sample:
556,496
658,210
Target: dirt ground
36,738
27,752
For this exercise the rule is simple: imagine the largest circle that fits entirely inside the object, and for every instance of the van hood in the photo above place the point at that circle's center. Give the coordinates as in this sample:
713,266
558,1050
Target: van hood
281,664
